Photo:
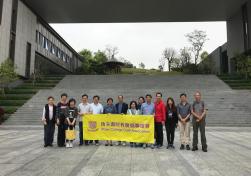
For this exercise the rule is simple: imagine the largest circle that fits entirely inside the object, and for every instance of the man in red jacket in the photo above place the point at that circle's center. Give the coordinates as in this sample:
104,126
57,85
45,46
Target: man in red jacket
159,119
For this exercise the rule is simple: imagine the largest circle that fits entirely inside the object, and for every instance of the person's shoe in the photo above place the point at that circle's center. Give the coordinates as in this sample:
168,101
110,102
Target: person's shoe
187,147
111,144
124,144
118,143
204,149
152,146
80,144
97,144
182,147
106,144
67,145
50,145
71,145
144,146
168,146
194,148
172,146
159,146
45,146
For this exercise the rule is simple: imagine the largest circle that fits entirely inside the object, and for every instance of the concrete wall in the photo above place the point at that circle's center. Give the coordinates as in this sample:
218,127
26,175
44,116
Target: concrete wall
215,56
235,37
5,30
25,32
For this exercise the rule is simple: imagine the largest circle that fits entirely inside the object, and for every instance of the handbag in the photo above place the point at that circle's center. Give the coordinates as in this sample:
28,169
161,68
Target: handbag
70,134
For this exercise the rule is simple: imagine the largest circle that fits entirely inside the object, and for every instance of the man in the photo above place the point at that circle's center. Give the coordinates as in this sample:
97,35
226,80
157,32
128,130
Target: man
199,121
147,108
49,120
61,108
141,100
184,112
84,108
159,119
97,108
121,108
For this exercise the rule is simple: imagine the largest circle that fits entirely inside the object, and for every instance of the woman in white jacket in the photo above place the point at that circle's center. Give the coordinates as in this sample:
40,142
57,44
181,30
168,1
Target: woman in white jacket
133,110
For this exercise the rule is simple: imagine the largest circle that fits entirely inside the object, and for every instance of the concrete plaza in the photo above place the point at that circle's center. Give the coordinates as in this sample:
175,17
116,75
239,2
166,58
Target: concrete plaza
22,153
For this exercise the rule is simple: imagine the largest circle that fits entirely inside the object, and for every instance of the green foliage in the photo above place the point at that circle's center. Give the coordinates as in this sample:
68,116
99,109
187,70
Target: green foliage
7,74
243,64
207,64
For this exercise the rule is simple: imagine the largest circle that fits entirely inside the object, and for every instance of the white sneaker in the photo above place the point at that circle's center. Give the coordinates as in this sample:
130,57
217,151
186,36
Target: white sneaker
124,143
67,145
71,145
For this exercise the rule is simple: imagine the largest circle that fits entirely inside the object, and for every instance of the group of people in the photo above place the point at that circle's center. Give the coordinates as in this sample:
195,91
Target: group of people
66,113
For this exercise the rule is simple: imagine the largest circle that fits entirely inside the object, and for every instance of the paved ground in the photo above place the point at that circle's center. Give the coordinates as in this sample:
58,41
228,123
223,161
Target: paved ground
22,153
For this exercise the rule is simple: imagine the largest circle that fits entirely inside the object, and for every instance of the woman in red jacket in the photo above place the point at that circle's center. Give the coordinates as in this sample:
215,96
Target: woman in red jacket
159,119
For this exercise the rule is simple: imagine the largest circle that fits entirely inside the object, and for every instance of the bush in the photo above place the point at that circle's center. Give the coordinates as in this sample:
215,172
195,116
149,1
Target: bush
12,102
1,114
190,69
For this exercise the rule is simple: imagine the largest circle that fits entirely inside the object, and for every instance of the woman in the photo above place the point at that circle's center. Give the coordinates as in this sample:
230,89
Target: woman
171,121
71,114
49,120
109,109
133,110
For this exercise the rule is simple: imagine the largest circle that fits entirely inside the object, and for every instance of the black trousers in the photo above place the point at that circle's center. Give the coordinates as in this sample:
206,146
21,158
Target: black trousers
170,132
81,136
158,133
61,135
49,130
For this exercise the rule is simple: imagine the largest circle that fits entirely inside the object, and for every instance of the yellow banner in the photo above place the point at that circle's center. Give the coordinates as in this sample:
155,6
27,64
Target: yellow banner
119,127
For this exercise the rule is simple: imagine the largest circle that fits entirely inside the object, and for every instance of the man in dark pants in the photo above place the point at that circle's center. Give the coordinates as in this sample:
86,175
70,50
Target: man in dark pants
159,119
49,120
121,108
61,108
199,115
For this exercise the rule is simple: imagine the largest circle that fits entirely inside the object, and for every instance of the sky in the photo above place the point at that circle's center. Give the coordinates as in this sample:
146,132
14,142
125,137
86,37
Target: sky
139,42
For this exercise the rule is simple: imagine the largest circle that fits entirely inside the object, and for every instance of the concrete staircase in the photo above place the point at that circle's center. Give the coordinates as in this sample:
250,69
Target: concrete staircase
227,107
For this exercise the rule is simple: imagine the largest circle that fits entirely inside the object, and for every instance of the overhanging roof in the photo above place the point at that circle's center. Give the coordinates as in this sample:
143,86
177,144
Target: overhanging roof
104,11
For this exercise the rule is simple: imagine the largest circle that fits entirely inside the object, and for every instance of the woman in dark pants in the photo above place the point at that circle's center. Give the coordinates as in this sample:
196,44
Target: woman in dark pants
49,120
71,116
171,121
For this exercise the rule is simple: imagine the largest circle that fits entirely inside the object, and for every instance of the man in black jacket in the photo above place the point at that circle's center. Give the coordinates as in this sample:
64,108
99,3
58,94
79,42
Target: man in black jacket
121,108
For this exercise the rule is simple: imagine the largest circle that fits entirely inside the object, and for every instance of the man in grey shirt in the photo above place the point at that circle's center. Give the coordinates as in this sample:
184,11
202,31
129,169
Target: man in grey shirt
184,112
199,115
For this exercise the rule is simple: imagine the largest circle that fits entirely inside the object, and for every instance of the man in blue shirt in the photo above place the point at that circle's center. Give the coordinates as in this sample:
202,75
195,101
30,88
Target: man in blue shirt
147,108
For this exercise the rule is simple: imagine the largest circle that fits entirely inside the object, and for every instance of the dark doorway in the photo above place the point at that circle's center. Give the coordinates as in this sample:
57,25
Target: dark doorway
224,62
28,60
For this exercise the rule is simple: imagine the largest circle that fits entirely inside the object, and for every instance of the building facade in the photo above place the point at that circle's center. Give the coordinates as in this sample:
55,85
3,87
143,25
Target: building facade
238,40
32,44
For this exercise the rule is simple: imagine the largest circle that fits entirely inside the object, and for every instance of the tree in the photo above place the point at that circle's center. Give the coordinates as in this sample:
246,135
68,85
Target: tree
161,68
87,55
243,64
100,57
162,62
185,56
169,54
197,38
207,64
142,65
111,52
7,74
